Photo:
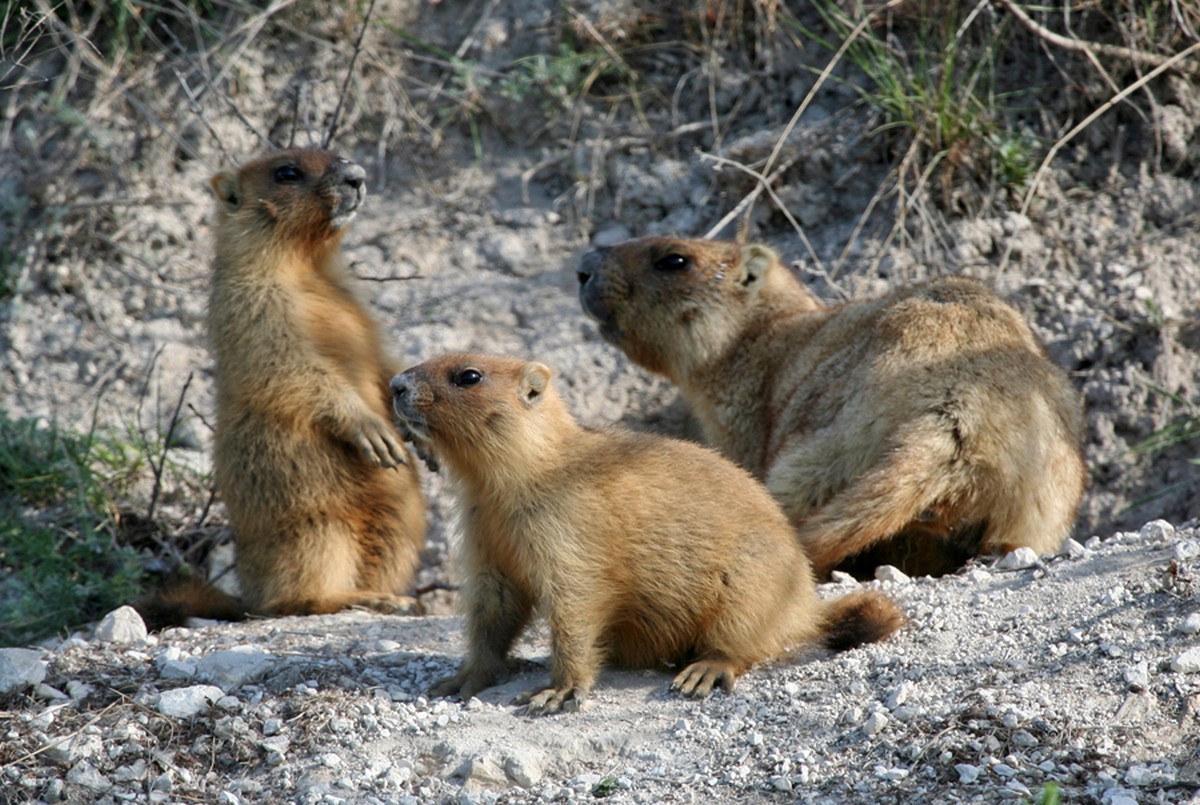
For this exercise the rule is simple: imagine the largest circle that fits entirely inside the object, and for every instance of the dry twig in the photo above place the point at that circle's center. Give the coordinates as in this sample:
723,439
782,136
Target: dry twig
747,202
1093,49
1087,121
337,111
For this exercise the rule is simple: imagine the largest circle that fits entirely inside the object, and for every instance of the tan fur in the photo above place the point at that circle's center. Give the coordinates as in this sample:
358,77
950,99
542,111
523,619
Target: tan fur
638,549
916,429
323,497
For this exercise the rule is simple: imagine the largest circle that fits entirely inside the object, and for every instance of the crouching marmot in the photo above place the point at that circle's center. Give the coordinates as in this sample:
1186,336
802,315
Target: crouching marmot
917,429
639,550
324,500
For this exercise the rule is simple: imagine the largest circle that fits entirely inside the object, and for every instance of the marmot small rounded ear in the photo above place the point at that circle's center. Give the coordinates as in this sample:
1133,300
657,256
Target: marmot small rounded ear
228,190
535,379
756,262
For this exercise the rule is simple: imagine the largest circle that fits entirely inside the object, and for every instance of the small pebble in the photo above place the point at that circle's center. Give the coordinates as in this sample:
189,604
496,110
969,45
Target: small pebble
1074,549
1190,625
885,773
967,773
1157,531
1024,738
1137,676
1019,559
189,701
875,723
1017,787
900,695
1188,662
79,690
20,668
122,625
1140,776
1119,796
890,573
1186,549
84,775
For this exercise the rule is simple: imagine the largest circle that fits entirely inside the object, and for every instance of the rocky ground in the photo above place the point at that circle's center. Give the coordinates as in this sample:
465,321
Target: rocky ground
492,167
1082,670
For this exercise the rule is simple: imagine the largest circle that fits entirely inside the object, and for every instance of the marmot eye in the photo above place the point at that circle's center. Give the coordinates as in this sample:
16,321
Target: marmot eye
287,174
468,377
672,262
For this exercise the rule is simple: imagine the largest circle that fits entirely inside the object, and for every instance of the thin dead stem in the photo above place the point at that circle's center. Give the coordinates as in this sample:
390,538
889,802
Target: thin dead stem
63,739
466,44
764,185
1093,49
1087,121
337,111
746,204
160,466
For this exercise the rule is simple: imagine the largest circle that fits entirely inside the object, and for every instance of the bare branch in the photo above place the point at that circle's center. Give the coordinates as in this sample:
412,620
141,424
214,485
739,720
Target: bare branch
337,111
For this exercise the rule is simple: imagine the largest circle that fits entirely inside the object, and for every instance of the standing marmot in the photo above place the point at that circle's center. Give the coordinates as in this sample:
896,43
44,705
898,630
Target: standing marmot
917,429
638,549
325,503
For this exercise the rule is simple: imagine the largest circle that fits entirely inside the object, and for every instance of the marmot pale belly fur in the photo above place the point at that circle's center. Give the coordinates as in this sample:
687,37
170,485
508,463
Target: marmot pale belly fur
324,500
917,429
640,550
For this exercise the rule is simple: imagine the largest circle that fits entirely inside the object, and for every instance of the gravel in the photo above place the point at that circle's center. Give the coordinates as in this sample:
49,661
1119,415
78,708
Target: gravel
1074,671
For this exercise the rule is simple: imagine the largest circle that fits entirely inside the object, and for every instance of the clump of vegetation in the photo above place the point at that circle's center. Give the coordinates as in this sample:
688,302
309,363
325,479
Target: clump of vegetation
61,560
930,70
1182,432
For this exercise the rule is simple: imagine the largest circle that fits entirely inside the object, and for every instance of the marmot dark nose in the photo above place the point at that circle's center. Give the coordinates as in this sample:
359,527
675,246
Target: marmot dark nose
353,174
590,262
399,386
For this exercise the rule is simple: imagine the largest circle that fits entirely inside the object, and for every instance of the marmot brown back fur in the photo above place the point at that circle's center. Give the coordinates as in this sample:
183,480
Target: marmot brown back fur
917,429
323,498
638,549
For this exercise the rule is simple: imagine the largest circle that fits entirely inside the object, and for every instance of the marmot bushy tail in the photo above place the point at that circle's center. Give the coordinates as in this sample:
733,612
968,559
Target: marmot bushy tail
323,497
858,618
916,429
639,550
183,598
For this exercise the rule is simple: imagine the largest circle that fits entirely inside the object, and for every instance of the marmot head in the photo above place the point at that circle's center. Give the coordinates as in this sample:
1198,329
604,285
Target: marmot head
670,304
471,410
307,194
